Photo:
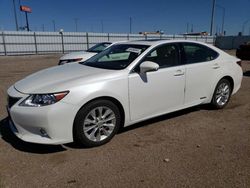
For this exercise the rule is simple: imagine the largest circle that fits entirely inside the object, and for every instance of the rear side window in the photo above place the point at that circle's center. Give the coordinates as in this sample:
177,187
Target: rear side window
196,53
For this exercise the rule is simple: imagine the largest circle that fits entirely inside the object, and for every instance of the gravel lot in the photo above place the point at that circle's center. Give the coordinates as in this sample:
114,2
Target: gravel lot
196,147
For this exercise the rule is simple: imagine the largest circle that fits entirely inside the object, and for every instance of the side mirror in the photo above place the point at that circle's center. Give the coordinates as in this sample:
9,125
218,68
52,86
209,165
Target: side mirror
148,66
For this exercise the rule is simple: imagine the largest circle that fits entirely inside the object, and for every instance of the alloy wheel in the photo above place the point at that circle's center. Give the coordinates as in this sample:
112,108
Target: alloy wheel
222,94
99,123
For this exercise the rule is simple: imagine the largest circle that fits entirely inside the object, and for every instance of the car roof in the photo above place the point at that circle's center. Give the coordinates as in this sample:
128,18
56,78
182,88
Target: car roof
153,42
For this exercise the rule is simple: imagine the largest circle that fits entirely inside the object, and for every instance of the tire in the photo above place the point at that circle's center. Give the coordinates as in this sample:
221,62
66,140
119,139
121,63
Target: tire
96,123
222,94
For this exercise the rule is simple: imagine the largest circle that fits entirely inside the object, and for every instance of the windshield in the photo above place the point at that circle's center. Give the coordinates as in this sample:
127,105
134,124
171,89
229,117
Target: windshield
116,57
99,47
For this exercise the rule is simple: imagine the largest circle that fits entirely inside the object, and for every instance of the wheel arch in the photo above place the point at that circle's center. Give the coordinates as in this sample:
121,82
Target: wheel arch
230,79
112,99
227,77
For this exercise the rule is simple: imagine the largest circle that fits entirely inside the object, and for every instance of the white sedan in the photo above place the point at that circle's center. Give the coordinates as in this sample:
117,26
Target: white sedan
76,57
127,83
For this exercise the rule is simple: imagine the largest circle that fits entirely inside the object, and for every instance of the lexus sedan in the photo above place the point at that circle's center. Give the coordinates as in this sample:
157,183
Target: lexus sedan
76,57
127,83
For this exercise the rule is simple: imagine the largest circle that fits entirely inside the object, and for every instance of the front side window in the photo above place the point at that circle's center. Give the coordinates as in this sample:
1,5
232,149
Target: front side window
116,57
196,53
165,56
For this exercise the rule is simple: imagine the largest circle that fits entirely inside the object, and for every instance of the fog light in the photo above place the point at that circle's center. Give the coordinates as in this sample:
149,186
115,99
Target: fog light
43,132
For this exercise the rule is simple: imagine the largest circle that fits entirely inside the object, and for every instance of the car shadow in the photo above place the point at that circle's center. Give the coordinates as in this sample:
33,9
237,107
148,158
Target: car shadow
165,117
150,121
246,73
9,137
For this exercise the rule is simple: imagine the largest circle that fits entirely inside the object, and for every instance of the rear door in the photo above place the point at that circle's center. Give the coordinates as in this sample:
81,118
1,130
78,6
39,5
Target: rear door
201,68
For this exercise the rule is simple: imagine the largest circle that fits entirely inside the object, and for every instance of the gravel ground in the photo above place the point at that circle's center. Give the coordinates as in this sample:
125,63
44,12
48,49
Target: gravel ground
196,147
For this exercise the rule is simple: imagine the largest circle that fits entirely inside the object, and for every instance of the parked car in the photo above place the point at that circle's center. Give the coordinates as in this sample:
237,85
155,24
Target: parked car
76,57
243,52
127,83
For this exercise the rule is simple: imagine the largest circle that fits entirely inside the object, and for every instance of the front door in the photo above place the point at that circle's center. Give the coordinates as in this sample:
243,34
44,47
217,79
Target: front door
158,92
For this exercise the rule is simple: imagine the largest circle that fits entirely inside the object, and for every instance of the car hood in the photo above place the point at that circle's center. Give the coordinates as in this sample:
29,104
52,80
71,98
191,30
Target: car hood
76,55
62,78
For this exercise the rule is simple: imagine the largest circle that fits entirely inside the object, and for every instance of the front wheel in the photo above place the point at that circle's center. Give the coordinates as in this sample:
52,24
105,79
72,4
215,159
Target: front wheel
96,123
222,94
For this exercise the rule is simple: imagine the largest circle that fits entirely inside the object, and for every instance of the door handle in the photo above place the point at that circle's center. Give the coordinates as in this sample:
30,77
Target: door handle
179,73
216,66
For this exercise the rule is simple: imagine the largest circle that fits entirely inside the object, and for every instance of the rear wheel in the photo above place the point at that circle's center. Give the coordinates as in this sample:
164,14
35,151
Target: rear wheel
222,94
96,123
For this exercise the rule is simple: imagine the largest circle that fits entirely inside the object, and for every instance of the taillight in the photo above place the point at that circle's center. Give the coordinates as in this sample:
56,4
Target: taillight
239,63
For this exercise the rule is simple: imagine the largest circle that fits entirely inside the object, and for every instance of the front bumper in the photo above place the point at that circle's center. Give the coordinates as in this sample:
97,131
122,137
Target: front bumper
52,124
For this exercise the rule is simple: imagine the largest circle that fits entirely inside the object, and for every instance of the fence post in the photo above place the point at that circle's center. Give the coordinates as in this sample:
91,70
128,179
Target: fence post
61,33
128,36
206,39
108,36
4,44
87,39
35,42
146,37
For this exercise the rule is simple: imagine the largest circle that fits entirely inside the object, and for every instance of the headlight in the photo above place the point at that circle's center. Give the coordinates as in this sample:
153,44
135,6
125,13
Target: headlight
37,100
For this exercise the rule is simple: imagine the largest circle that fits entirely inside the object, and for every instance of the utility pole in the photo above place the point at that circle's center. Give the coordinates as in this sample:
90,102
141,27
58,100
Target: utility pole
54,25
130,25
212,18
192,28
187,27
14,8
223,18
76,23
243,26
19,15
27,21
102,26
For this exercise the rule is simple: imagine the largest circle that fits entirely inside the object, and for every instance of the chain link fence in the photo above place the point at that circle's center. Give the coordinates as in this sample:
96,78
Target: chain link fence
24,43
231,42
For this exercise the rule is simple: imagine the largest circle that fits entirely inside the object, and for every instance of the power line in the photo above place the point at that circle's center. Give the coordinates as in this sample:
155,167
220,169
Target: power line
54,25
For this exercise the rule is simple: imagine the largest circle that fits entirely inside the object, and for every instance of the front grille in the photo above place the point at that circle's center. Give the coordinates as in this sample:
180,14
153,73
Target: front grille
12,101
